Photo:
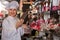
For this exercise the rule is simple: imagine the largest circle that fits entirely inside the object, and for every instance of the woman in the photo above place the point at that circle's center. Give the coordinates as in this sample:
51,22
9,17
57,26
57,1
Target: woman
12,29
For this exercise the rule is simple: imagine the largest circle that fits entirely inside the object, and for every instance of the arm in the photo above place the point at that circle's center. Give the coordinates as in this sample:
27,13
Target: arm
19,23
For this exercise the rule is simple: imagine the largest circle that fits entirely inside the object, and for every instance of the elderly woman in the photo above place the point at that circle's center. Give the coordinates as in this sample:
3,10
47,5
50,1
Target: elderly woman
12,29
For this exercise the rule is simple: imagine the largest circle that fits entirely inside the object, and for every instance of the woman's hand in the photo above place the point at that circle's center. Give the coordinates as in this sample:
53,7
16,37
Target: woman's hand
19,23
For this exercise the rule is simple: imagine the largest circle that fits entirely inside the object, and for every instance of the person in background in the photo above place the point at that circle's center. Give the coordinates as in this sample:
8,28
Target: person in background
32,25
40,21
53,26
12,27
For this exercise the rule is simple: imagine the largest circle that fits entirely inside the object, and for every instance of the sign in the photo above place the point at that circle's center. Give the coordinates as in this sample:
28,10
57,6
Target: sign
55,2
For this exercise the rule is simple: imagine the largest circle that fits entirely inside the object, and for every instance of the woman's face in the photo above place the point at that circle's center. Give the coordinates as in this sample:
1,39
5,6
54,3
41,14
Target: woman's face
12,12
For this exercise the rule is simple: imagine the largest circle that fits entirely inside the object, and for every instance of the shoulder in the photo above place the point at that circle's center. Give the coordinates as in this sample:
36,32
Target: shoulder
5,19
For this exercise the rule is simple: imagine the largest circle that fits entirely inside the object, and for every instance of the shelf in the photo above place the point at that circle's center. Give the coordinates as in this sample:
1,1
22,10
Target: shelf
27,2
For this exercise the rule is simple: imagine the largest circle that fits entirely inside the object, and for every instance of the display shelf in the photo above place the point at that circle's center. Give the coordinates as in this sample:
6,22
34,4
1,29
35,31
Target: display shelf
26,2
